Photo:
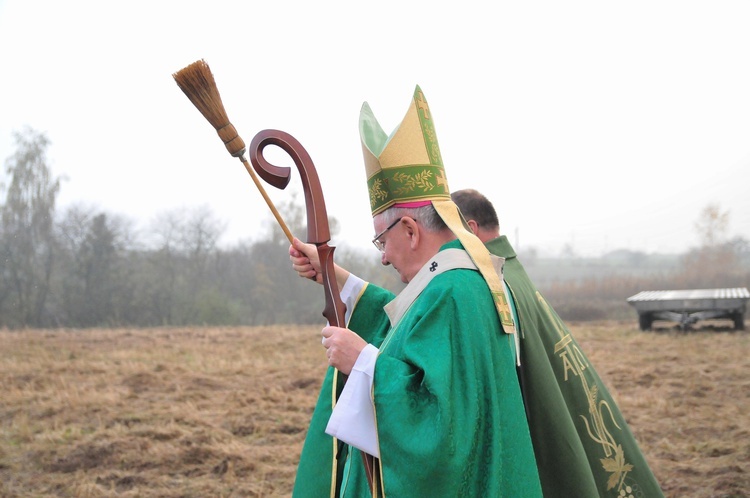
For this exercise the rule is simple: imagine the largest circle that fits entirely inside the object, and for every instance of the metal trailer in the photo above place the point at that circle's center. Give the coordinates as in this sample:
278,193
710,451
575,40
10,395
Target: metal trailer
688,306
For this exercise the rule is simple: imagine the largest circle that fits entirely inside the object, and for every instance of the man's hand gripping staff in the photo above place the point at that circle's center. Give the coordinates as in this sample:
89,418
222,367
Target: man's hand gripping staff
318,232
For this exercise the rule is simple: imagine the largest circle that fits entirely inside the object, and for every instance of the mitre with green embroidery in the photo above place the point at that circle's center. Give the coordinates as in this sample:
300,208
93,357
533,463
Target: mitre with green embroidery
406,166
405,169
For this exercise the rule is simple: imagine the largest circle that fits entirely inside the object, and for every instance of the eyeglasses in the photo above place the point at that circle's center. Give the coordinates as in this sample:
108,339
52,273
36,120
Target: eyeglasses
376,241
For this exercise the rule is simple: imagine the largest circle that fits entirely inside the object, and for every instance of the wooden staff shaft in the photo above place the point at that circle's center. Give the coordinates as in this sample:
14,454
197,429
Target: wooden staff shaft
270,204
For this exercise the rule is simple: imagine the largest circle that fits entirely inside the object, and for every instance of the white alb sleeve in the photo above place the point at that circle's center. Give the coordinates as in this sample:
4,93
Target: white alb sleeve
350,293
353,417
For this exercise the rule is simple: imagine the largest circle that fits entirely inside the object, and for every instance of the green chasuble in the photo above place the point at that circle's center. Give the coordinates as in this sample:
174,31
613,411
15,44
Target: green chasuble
583,445
449,412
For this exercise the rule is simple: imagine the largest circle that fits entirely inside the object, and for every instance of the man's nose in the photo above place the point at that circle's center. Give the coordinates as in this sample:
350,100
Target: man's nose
383,260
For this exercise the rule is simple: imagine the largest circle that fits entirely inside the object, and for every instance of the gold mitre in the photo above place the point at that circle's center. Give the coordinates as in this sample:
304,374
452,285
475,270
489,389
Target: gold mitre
405,167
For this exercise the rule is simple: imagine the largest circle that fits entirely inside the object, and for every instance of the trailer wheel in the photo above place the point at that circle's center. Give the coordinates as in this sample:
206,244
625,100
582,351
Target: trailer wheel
645,321
739,321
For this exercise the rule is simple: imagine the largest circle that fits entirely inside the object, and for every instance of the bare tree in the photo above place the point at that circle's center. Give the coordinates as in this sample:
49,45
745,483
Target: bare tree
184,246
716,262
712,225
27,228
96,287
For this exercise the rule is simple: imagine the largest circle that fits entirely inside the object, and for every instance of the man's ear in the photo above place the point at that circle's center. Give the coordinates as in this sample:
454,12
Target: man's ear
474,226
412,231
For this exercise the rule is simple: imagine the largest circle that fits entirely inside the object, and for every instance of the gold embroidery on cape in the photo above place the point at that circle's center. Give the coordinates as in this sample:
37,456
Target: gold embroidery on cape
503,309
574,362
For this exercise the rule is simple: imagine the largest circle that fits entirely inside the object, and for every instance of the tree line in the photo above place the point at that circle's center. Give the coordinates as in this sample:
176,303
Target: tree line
83,267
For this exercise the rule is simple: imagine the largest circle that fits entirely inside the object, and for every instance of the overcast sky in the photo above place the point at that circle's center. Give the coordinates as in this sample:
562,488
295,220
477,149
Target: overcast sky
595,124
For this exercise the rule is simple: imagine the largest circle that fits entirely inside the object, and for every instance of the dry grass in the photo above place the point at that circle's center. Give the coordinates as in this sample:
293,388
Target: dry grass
222,412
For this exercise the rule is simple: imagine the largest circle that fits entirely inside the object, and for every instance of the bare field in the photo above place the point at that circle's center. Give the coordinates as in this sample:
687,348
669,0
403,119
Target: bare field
222,412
